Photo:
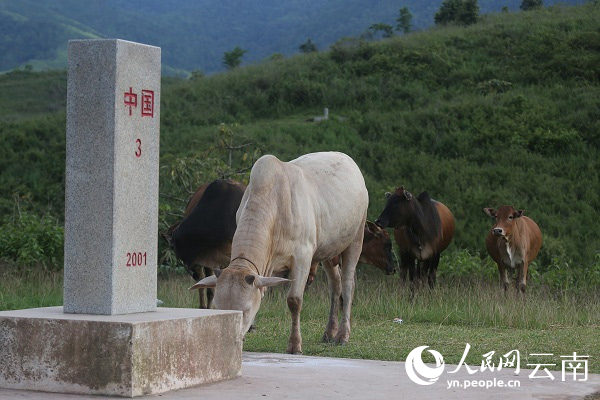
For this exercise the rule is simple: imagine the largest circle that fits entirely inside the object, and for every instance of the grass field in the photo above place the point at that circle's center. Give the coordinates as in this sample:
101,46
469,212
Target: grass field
446,319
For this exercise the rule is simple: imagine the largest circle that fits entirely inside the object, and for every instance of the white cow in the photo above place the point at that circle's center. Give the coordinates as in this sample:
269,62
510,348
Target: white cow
292,216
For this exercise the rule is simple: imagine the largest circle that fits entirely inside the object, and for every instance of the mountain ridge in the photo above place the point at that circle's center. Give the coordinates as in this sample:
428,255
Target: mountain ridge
194,35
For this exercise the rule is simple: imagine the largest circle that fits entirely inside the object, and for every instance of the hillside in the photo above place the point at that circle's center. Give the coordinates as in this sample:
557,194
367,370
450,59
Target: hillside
194,34
502,112
505,111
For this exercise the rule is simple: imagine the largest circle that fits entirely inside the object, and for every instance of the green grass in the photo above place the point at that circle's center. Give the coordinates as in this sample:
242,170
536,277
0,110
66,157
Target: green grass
457,312
446,319
20,290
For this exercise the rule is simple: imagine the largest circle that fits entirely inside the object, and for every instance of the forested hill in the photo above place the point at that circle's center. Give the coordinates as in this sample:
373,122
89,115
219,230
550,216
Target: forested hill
505,111
195,34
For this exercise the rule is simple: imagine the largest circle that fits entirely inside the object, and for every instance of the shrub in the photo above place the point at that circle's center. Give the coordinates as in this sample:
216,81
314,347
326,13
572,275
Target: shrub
30,242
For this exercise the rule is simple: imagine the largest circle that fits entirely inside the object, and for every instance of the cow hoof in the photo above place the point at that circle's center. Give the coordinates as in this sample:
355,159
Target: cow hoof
294,351
341,340
329,337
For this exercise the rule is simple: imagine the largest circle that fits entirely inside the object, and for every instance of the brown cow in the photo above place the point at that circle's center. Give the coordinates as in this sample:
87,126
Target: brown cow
513,242
423,228
376,251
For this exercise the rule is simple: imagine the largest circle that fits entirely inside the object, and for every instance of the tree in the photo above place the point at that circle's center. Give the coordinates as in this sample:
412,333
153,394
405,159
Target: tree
527,5
233,58
462,12
388,30
469,13
308,47
404,21
448,12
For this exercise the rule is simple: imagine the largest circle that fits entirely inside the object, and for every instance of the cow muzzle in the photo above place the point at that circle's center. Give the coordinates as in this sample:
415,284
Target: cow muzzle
381,222
499,232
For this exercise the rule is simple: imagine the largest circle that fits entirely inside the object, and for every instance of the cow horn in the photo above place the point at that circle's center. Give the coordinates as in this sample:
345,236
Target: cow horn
208,282
263,282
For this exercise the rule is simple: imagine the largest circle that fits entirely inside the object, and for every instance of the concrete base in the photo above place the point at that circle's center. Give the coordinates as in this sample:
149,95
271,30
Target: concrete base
124,355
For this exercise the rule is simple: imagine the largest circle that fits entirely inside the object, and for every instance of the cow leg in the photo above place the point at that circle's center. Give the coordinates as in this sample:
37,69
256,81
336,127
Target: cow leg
334,281
422,272
299,274
201,292
413,270
408,264
404,267
431,267
295,340
210,292
311,275
522,277
504,281
350,258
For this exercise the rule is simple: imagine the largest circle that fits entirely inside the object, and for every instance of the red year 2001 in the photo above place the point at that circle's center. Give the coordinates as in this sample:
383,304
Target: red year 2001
136,259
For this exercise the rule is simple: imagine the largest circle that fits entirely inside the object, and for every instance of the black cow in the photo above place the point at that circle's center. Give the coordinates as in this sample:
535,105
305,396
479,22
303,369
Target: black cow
202,239
423,228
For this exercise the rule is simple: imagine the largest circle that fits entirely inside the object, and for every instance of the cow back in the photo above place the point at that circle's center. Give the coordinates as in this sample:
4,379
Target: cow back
317,202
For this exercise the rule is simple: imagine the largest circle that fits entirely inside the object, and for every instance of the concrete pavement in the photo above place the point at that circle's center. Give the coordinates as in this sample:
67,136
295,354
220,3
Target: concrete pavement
282,376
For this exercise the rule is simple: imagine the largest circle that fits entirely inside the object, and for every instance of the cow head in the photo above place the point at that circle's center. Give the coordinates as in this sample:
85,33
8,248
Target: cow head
505,217
398,209
238,289
377,248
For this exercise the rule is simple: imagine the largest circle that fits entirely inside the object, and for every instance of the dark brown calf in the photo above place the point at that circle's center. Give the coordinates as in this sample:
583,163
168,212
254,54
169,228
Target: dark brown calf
513,242
376,251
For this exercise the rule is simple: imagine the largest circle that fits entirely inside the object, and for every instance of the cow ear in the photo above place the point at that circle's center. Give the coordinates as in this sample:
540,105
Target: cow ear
407,195
208,282
519,213
490,211
263,282
388,195
217,272
373,230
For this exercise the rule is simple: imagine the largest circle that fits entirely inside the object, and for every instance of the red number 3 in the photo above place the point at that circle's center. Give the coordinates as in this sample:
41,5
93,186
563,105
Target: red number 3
138,152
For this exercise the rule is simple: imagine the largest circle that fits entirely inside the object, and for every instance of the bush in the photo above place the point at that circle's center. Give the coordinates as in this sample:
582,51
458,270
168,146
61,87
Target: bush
31,242
462,264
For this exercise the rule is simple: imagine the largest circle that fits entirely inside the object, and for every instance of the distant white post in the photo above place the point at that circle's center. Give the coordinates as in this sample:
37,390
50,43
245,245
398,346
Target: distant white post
111,204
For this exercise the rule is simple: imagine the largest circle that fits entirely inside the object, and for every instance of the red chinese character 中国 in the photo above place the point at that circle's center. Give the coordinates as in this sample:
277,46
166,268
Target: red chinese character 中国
148,103
130,99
